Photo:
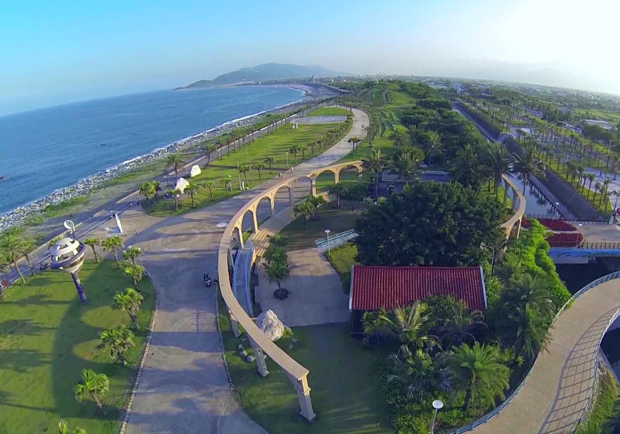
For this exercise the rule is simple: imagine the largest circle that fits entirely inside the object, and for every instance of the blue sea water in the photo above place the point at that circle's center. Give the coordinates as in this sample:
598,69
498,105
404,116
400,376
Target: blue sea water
51,148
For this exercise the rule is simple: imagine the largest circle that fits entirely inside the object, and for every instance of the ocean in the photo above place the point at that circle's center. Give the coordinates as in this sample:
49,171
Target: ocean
51,148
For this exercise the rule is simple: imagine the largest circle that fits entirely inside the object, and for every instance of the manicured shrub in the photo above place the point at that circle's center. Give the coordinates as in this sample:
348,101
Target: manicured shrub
558,225
354,191
568,239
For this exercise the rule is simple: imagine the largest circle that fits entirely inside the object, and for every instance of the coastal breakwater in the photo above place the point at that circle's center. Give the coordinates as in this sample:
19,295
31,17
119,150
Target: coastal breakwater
566,194
85,186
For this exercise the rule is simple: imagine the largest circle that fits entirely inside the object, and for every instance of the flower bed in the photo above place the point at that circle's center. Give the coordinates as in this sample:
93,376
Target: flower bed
569,239
525,223
558,225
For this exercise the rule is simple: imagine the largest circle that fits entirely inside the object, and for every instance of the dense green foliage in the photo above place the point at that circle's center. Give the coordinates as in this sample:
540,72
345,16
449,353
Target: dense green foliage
604,417
429,223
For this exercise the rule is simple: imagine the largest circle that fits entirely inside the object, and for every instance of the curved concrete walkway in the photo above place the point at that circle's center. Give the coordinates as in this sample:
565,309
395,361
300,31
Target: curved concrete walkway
184,386
556,395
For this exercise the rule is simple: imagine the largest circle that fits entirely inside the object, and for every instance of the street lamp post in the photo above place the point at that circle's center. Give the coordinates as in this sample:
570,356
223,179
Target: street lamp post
485,246
327,231
437,405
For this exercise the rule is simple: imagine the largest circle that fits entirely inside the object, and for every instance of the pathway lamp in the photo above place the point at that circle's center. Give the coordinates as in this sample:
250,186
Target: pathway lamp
437,405
327,231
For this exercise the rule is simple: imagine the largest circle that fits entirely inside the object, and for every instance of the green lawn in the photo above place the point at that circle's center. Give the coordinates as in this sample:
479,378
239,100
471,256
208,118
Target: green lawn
276,144
330,111
335,219
47,337
346,393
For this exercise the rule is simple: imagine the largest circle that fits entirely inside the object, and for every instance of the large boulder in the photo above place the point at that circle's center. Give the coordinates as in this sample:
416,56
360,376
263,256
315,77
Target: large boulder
269,323
181,185
195,171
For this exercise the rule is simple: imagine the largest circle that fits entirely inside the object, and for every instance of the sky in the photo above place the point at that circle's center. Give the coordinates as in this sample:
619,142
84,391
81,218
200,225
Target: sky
64,51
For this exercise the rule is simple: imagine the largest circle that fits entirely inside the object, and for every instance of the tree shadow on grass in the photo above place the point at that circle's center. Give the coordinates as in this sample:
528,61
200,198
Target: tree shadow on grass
21,327
21,360
36,299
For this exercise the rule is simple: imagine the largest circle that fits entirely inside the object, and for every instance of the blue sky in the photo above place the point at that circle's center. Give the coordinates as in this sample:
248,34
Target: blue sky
62,51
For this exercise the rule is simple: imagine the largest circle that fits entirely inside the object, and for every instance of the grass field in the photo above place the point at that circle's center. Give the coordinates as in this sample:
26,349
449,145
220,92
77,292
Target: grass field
335,219
330,111
276,144
346,394
342,259
47,337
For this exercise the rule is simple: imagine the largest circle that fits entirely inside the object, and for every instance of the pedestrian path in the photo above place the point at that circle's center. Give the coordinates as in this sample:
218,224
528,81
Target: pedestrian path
558,391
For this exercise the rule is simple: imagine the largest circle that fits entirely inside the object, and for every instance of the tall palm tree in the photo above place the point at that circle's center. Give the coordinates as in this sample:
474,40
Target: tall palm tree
209,148
526,330
28,248
479,371
270,161
132,253
604,198
94,385
407,163
527,290
528,165
111,245
401,139
590,177
295,149
227,181
500,162
409,324
258,167
192,190
175,161
460,327
117,341
147,190
136,272
243,170
416,370
434,142
93,242
175,193
129,301
465,167
209,185
375,164
11,249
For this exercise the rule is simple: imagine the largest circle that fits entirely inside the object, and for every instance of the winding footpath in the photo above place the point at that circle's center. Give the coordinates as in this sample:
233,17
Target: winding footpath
557,394
183,385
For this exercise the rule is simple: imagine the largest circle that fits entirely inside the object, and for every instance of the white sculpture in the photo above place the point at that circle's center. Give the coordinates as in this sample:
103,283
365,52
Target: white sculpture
269,323
181,185
195,171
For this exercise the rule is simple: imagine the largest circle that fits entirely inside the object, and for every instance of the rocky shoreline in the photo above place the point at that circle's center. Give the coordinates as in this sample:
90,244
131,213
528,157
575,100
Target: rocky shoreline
87,185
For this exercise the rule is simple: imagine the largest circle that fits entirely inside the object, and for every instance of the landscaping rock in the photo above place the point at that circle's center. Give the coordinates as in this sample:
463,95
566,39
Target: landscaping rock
250,358
269,323
240,346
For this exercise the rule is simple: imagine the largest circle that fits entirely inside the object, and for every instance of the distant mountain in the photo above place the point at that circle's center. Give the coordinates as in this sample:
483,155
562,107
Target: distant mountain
267,71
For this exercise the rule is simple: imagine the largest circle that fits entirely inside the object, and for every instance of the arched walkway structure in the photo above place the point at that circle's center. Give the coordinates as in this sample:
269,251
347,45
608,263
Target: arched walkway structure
518,207
260,342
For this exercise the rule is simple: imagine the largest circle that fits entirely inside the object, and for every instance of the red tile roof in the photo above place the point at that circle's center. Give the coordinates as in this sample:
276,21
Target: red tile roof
373,287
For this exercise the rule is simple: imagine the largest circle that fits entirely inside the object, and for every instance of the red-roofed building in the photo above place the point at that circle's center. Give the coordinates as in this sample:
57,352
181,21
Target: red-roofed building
374,287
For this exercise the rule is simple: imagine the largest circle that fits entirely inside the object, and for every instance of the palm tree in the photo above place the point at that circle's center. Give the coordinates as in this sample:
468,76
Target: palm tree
409,324
401,139
94,385
500,162
209,148
175,193
434,142
407,162
111,245
270,161
243,170
277,271
478,370
415,370
209,185
191,190
375,164
156,188
258,167
11,249
303,149
129,301
132,253
294,150
528,290
306,209
590,177
28,248
317,202
117,341
63,428
136,272
528,165
337,190
227,181
465,167
606,184
93,242
278,240
175,161
525,330
147,190
460,327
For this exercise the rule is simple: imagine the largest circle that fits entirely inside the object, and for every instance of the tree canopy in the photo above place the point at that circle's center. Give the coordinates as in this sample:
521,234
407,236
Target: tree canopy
429,223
